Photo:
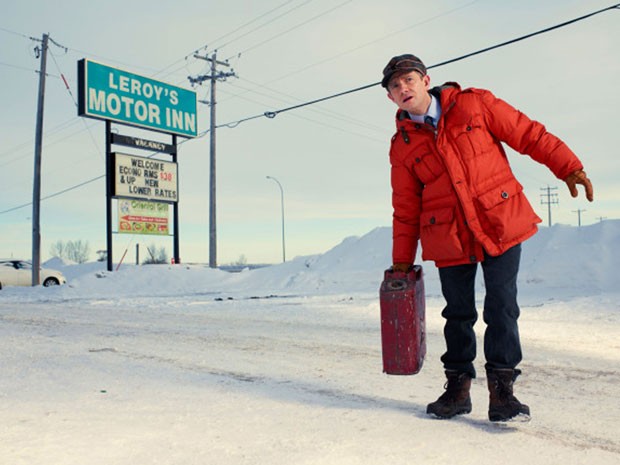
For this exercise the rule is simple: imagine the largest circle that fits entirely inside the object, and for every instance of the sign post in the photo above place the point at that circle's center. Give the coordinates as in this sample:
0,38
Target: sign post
119,96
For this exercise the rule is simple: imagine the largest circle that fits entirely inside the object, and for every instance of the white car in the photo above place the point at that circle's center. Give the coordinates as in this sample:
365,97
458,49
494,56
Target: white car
19,273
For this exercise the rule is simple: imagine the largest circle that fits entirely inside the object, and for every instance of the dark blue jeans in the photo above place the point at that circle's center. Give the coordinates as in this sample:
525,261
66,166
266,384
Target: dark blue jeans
502,347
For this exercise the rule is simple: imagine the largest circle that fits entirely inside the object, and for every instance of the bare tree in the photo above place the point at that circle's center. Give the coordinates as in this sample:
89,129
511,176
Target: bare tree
76,251
58,250
156,256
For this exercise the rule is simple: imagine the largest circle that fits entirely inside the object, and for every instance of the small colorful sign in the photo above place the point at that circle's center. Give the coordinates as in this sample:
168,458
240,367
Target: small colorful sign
140,217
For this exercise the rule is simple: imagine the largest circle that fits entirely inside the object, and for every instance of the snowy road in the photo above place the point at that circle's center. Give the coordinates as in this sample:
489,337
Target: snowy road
286,380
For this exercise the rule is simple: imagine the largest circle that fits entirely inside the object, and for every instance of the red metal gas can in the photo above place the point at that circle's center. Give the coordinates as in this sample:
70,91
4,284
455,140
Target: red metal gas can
403,333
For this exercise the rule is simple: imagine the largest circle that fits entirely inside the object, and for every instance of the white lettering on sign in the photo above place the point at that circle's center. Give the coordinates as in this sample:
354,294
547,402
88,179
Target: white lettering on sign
124,83
112,94
149,144
180,119
142,89
112,103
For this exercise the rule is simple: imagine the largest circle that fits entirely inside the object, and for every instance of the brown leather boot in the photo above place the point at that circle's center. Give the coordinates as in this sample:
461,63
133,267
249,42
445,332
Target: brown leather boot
456,400
503,405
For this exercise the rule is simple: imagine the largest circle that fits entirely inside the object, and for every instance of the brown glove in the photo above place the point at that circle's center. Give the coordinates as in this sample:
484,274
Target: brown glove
579,177
401,267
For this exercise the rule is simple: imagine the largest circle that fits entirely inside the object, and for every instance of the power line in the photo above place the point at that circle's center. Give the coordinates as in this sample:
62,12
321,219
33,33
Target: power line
335,128
293,28
17,33
84,183
64,80
374,41
26,145
287,98
22,68
346,118
56,194
551,199
261,26
57,129
273,114
205,47
527,36
66,49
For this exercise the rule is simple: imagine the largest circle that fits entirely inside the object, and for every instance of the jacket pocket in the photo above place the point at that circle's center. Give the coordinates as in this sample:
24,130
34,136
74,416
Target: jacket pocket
471,138
427,167
507,211
439,235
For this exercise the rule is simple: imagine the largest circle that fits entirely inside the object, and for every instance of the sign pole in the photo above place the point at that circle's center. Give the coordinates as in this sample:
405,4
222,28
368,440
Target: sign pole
119,96
175,217
109,190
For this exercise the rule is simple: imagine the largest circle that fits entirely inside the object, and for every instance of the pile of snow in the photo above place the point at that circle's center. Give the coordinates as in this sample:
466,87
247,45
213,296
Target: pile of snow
561,262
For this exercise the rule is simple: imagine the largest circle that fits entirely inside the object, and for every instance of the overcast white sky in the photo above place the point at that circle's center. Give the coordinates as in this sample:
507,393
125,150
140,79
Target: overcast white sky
330,158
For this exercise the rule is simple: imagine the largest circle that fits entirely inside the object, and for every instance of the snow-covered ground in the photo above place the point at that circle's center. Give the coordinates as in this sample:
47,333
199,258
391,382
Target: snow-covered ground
282,365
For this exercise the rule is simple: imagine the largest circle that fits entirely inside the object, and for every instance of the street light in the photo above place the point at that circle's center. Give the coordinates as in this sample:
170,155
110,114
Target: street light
282,204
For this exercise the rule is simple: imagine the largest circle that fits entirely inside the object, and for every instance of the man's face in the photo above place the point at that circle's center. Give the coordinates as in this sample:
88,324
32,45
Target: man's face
410,92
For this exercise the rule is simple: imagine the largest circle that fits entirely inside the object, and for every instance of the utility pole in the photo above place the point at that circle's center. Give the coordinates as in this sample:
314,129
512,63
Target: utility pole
214,76
36,191
578,211
551,199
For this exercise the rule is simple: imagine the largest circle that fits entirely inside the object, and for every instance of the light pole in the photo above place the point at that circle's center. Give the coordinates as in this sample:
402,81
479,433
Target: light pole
282,205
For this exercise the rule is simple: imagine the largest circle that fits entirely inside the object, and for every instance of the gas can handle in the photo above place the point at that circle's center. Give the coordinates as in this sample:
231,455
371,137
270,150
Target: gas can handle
415,271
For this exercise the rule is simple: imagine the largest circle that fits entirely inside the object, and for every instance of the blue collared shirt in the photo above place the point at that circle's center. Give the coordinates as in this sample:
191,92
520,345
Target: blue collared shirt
434,111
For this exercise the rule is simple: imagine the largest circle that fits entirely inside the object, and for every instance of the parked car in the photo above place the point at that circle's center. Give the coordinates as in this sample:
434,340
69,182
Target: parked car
19,273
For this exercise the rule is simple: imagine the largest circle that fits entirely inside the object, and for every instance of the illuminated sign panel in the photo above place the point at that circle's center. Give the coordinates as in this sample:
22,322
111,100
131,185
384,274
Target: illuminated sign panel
112,94
145,178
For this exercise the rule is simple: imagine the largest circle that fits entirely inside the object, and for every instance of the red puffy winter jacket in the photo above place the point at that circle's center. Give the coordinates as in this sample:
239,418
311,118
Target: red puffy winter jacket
453,188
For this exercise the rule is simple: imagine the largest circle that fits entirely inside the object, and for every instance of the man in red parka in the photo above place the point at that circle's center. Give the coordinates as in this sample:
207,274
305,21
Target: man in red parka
454,191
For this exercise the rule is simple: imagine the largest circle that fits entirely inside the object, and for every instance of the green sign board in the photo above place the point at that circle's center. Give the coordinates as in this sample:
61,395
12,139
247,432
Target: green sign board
112,94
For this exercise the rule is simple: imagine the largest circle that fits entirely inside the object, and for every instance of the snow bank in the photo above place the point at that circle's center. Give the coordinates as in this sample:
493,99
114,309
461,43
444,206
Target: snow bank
561,262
